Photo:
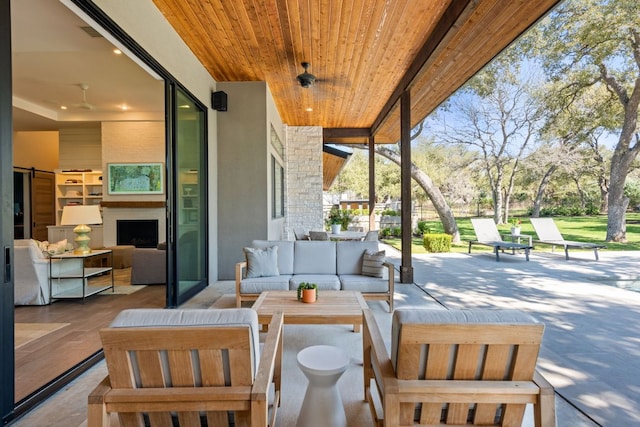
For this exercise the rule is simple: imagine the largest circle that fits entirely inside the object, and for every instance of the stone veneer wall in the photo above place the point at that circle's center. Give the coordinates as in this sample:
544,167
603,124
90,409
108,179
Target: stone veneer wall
303,202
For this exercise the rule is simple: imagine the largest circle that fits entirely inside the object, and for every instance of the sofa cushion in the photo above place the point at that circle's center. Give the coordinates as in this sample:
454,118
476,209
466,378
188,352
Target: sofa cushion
262,262
314,257
360,283
349,255
285,253
324,281
259,284
372,264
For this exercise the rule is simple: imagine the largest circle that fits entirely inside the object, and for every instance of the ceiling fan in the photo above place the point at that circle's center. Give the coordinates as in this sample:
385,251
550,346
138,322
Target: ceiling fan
84,105
306,79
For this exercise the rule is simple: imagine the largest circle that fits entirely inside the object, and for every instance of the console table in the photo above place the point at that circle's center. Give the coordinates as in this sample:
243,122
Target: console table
74,283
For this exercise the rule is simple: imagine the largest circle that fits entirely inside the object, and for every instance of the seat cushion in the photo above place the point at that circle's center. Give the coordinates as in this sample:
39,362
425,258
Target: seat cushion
323,281
358,282
260,284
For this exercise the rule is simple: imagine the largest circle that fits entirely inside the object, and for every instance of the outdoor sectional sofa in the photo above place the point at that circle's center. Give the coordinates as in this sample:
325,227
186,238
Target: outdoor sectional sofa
330,265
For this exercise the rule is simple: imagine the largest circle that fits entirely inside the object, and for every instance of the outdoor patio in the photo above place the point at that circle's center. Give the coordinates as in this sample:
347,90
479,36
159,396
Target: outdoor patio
590,349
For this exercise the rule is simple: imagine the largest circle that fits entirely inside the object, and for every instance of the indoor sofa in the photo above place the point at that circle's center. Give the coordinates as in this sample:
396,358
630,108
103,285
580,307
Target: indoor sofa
31,273
344,265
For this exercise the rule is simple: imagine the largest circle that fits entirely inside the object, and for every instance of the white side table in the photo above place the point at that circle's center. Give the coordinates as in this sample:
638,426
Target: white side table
323,365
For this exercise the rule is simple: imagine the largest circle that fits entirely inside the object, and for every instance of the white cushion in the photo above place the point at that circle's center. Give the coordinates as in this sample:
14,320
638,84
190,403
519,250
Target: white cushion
314,257
262,262
285,253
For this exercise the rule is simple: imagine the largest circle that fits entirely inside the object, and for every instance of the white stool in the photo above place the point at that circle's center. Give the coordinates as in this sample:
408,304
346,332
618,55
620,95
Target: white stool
323,365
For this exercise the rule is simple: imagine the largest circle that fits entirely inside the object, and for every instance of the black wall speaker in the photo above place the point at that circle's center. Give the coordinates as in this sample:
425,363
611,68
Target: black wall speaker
219,101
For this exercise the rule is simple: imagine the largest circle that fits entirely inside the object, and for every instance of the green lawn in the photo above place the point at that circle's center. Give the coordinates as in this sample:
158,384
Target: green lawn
581,229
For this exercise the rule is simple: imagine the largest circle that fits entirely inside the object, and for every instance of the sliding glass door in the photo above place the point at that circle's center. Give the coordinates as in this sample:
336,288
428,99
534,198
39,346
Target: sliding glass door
189,206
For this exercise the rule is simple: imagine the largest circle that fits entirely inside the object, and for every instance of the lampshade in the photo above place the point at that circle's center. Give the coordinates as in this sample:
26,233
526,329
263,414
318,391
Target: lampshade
81,214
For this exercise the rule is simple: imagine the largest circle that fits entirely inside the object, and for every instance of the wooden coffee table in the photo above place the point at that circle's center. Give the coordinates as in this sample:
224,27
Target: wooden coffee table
331,307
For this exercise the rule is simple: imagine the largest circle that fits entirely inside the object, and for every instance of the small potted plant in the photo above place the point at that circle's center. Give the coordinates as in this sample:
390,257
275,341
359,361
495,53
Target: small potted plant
515,227
307,292
334,220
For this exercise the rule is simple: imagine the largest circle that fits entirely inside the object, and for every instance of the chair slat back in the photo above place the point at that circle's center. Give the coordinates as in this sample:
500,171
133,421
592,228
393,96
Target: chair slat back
486,230
178,356
482,351
149,351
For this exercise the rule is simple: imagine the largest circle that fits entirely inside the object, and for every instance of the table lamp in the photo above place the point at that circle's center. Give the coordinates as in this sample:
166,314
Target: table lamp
81,215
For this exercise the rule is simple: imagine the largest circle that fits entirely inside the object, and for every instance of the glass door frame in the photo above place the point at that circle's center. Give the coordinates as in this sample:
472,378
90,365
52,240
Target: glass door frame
8,408
175,296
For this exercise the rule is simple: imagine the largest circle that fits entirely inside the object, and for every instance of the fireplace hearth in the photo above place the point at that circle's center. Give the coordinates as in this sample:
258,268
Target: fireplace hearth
141,233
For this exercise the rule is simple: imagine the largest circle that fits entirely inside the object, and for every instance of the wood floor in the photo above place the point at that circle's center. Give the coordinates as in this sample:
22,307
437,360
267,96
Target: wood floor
42,360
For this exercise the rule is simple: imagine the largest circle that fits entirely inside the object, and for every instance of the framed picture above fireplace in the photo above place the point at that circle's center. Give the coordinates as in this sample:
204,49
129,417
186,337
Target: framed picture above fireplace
135,178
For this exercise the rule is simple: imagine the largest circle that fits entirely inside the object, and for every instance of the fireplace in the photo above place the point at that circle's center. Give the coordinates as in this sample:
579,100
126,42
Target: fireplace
141,233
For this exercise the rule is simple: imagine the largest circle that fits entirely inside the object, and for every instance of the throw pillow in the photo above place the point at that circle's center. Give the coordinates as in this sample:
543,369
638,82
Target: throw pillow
372,263
57,248
262,262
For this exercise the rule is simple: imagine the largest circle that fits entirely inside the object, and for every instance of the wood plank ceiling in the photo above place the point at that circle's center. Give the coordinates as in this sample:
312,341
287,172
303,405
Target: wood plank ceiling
364,53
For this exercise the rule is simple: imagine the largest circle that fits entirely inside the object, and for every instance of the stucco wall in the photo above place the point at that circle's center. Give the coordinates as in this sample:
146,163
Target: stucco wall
245,190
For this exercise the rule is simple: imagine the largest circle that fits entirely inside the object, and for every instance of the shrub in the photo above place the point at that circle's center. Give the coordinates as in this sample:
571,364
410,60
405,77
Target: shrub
423,228
389,212
437,242
385,232
396,232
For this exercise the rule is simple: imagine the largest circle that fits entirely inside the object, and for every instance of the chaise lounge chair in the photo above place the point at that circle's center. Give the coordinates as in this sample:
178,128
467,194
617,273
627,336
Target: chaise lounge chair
487,234
549,234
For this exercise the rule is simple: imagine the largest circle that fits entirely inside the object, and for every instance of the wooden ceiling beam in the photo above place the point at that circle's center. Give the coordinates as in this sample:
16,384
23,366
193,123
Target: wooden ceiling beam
457,10
337,133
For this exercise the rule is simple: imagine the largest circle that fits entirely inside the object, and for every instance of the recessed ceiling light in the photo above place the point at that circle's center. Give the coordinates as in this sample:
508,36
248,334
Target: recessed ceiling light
117,51
309,109
124,107
63,107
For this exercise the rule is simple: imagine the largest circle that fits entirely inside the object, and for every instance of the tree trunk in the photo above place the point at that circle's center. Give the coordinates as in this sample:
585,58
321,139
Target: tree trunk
537,201
618,202
433,192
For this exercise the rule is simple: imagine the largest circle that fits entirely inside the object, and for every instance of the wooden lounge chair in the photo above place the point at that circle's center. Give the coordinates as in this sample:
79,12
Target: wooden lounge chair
549,234
179,367
487,234
456,367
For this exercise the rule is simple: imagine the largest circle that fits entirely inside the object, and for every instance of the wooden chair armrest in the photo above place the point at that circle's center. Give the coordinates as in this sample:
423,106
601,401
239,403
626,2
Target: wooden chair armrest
270,366
97,414
391,272
545,411
98,393
376,360
240,272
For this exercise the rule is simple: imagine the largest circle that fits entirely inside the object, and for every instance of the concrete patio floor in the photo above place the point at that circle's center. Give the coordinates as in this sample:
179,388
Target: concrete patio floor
591,347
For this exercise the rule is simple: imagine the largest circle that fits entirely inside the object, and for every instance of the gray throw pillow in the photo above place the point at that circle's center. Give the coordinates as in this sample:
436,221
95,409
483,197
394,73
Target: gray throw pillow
262,262
372,263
